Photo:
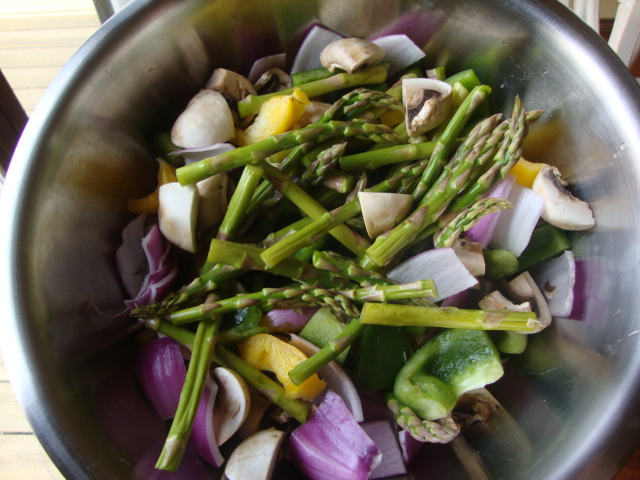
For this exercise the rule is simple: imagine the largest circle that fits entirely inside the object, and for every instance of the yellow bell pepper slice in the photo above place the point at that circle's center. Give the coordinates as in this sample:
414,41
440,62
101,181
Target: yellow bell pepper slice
526,171
267,352
277,115
149,204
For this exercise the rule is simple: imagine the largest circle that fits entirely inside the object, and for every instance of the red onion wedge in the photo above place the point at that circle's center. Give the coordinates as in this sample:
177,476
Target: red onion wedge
419,25
308,55
127,419
337,380
202,437
162,268
556,279
289,319
331,445
385,438
441,265
161,372
401,51
515,225
482,231
195,154
409,446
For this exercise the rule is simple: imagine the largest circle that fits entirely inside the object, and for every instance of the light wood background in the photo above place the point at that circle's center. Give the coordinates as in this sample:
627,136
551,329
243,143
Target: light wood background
37,37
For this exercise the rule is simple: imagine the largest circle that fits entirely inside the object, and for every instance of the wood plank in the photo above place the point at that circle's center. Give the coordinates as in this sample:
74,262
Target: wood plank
12,417
31,77
9,7
29,57
52,37
42,22
23,458
29,97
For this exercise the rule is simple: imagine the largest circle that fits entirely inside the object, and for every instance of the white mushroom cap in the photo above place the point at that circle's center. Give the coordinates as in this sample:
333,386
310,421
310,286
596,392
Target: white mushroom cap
427,103
255,457
232,404
178,214
206,120
233,86
383,211
351,54
561,208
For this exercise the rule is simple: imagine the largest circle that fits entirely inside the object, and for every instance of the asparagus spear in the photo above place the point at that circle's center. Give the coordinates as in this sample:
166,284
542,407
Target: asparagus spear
434,203
285,184
206,283
197,371
467,219
252,103
256,152
448,317
267,387
446,141
339,301
236,211
442,430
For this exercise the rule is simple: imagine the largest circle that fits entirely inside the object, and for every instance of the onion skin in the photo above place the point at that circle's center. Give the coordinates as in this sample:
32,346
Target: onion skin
288,320
161,372
332,445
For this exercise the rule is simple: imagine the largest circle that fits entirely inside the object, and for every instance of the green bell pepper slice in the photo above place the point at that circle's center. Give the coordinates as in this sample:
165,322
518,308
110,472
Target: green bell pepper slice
451,363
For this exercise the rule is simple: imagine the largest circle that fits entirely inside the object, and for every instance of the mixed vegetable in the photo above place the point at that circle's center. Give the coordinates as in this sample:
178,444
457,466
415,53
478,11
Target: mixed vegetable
363,231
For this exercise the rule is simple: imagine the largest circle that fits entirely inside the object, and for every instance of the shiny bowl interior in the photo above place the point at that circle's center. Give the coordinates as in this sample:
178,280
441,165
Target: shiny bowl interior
574,394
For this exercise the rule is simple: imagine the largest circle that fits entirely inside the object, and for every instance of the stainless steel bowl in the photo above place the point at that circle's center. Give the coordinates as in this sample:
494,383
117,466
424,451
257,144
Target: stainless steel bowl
87,149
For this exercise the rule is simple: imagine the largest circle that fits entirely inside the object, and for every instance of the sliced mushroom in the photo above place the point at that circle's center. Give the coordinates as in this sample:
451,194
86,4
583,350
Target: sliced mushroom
178,214
383,211
471,256
206,120
351,54
233,86
521,294
232,404
255,458
427,103
273,80
561,208
214,200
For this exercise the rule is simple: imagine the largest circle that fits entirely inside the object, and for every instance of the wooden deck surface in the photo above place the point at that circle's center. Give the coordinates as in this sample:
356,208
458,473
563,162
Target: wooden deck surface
37,37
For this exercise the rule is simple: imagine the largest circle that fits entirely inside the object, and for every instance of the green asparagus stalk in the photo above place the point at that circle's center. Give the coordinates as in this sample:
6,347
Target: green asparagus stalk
285,184
267,387
206,283
300,295
508,154
256,152
447,140
197,372
236,211
325,160
347,268
442,430
328,353
467,219
248,257
448,317
387,156
267,299
297,154
252,103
